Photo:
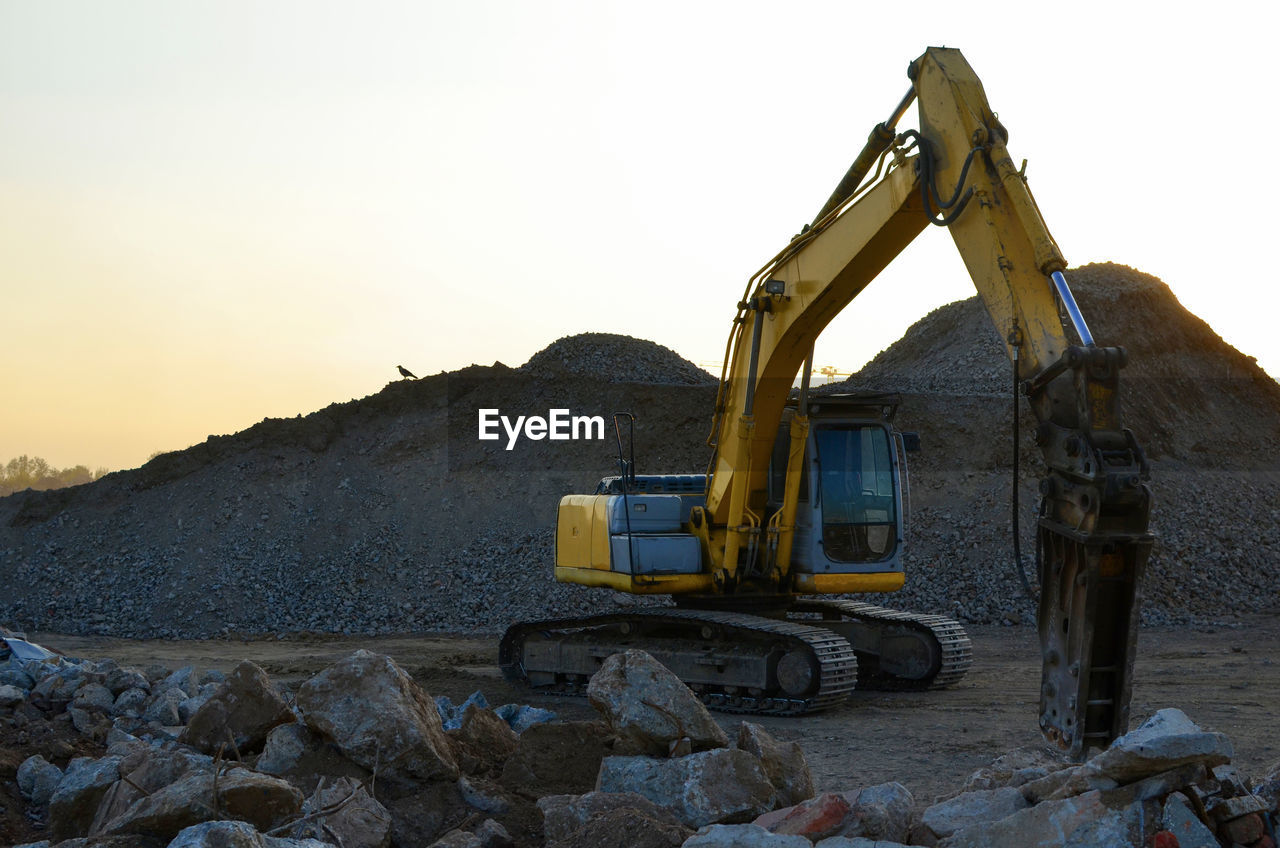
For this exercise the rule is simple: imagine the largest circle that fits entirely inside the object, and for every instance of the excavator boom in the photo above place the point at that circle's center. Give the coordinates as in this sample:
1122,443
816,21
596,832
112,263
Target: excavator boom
956,172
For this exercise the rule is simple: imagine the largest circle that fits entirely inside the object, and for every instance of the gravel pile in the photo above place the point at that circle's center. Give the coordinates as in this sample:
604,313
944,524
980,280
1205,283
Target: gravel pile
387,514
619,359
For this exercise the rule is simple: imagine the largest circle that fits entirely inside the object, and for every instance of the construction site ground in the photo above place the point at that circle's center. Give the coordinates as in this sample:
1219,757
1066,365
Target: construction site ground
1226,679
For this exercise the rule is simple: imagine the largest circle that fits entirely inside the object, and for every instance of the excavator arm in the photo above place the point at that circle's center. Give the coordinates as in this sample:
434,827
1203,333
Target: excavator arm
956,172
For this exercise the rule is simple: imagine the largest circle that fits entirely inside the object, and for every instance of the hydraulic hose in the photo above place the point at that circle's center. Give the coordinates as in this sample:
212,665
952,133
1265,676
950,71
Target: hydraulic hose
1017,531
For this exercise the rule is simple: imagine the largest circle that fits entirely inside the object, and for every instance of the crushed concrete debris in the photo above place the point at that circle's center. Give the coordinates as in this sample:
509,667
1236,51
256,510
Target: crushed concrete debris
393,776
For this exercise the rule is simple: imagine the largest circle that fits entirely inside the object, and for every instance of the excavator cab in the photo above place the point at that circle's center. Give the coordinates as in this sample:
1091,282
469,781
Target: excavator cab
849,516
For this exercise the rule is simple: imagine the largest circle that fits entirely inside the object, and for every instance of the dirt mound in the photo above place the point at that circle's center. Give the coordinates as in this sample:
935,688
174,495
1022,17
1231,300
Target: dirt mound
1188,394
388,514
616,358
384,514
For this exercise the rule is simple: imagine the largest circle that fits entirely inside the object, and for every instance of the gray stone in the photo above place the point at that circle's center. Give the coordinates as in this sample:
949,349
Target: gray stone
897,803
38,779
285,747
858,842
240,713
562,815
148,769
59,686
1268,787
211,675
521,717
11,696
723,786
94,696
784,763
131,702
92,725
973,808
155,673
378,717
121,742
261,800
743,836
360,821
182,680
1166,740
493,835
1179,819
73,804
648,707
162,707
188,707
482,799
235,834
16,677
1082,821
122,679
297,753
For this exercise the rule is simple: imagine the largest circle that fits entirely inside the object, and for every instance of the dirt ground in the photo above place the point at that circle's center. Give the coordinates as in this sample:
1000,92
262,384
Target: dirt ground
1224,679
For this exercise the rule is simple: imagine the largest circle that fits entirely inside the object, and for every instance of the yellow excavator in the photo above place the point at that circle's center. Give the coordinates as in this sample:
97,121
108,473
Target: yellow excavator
803,496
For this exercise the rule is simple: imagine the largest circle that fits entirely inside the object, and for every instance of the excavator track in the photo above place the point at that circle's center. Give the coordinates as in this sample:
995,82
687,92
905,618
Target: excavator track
734,662
940,651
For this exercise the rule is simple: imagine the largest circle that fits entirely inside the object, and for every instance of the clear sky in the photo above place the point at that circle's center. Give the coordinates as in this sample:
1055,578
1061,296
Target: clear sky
215,212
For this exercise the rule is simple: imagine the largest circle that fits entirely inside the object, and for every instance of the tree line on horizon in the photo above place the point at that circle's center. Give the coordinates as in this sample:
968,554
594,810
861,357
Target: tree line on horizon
33,472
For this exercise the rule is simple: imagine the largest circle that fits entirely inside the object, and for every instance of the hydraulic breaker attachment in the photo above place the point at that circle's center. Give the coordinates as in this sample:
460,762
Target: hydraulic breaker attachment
1093,544
1088,620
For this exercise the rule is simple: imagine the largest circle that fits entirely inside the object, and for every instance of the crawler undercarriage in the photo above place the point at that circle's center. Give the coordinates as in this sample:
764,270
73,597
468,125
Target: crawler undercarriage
801,660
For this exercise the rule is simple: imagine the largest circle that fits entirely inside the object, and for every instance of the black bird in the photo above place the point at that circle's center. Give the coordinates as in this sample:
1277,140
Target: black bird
406,373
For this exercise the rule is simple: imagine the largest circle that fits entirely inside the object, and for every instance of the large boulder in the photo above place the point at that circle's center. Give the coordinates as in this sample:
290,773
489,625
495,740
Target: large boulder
723,786
897,803
783,762
303,757
973,808
202,796
38,779
357,819
1178,818
144,770
81,790
1082,821
378,717
11,696
816,818
239,714
649,708
1165,741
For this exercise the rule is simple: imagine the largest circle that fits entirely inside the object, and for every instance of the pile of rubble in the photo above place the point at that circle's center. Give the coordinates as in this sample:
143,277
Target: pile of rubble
359,756
617,358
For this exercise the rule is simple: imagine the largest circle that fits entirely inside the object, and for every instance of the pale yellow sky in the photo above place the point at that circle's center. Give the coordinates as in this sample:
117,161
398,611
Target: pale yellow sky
215,212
